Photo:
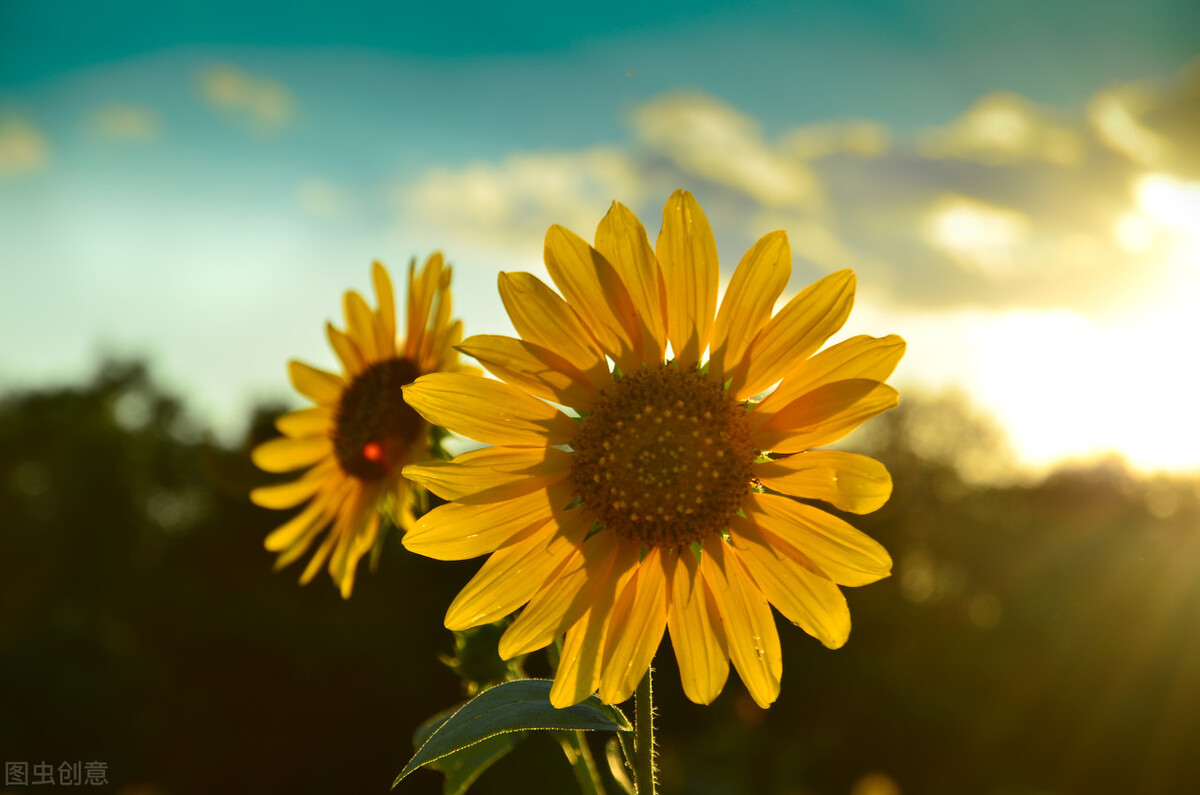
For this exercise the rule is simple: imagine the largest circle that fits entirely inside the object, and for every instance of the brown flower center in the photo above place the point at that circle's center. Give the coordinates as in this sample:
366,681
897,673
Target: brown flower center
375,427
665,456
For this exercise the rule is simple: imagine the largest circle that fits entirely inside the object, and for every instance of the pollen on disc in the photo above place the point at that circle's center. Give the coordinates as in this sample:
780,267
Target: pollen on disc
665,458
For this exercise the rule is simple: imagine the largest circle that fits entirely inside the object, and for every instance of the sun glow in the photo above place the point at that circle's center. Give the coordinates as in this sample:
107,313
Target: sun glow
1070,386
1063,384
1171,202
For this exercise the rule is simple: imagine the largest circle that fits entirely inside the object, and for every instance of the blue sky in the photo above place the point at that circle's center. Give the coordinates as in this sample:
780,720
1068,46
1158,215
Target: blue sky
199,182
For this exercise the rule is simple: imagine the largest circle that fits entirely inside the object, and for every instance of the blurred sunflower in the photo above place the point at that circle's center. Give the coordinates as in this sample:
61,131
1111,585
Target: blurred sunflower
656,508
360,433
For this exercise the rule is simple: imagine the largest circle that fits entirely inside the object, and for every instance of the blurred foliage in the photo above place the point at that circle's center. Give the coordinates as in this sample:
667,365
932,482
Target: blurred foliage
1035,637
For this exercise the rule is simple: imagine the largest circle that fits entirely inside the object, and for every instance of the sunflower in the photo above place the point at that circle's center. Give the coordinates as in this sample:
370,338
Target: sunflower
355,441
656,507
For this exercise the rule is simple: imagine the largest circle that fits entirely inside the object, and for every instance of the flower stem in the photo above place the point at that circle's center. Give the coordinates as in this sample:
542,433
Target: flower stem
644,769
575,746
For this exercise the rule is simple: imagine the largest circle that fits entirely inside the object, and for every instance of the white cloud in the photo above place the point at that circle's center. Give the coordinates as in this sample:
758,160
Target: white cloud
1003,128
1010,206
1155,125
856,136
977,236
706,138
509,205
22,147
1014,207
680,140
262,103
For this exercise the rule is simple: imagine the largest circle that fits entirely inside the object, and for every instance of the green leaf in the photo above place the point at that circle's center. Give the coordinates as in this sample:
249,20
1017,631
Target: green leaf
512,707
461,768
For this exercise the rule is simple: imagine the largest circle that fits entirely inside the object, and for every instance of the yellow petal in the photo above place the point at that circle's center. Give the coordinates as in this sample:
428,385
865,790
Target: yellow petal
808,600
285,495
360,545
457,532
514,573
445,354
299,536
305,524
565,596
872,358
492,474
687,254
360,326
402,506
322,386
530,367
422,290
434,339
749,300
802,326
342,500
350,523
347,351
749,625
621,239
366,537
824,415
285,455
592,288
697,634
305,422
488,411
844,553
288,495
542,317
578,673
637,630
847,481
385,317
318,559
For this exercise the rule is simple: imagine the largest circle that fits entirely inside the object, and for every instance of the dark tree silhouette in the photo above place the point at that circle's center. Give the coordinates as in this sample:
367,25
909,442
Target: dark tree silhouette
1035,637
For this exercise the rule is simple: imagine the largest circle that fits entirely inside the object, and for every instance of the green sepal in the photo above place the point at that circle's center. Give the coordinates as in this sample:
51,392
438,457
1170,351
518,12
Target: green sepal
477,658
437,443
523,705
617,766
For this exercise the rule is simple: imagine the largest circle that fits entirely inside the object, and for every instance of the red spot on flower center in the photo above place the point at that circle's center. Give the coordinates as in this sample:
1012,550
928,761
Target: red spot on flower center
373,451
375,427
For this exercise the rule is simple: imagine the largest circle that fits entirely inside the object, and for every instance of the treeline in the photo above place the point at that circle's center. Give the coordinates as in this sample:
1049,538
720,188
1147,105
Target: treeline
1034,638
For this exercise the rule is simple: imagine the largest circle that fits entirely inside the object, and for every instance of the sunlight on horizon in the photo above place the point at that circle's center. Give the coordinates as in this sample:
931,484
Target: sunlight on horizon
1064,385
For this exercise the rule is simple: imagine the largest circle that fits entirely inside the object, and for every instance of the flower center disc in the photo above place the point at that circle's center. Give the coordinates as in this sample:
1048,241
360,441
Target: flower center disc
375,427
665,457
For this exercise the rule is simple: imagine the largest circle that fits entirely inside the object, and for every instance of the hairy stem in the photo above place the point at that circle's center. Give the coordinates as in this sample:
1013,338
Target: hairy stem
644,769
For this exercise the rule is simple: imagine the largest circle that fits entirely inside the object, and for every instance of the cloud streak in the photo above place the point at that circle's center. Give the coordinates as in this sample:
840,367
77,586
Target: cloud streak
1155,125
126,123
265,106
